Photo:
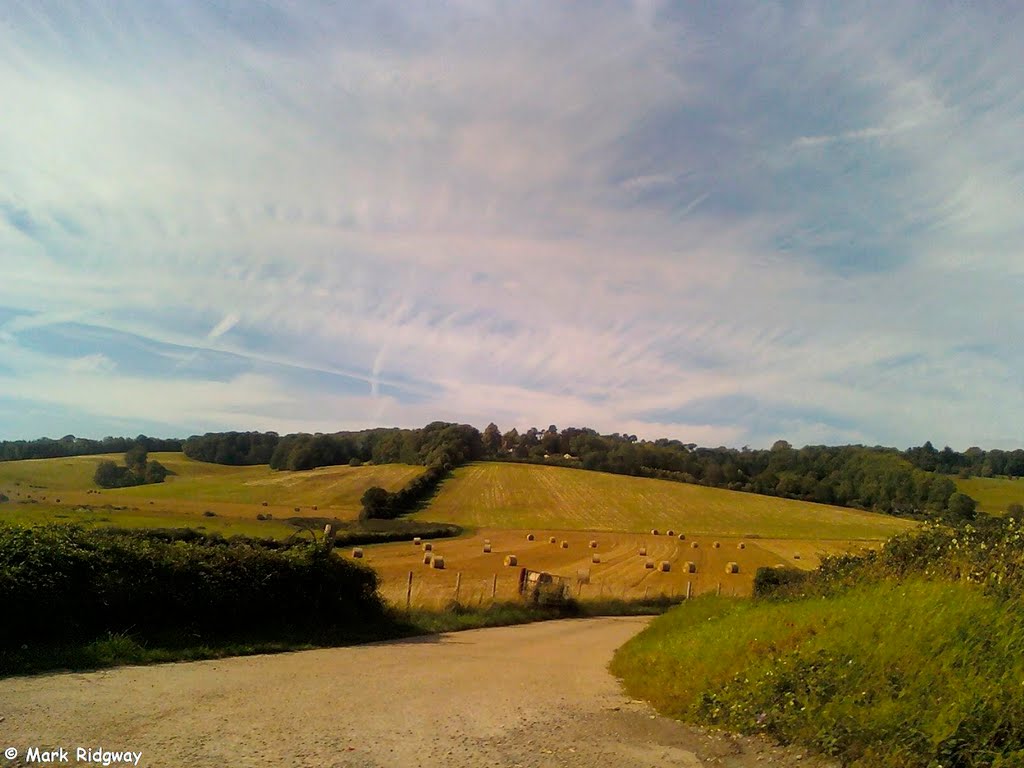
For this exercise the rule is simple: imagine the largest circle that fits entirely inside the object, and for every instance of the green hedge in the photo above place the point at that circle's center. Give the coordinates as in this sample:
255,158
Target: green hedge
62,584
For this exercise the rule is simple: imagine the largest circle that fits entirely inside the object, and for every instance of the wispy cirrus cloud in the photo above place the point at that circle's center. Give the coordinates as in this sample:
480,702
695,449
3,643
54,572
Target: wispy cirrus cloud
716,225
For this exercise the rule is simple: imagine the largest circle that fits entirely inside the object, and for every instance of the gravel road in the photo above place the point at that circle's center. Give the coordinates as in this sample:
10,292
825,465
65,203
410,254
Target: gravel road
537,695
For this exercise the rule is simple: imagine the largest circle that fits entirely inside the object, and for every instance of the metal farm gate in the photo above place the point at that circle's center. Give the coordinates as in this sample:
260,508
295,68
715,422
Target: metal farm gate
543,588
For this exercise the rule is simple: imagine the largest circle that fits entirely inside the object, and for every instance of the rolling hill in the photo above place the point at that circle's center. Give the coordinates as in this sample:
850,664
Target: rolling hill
522,496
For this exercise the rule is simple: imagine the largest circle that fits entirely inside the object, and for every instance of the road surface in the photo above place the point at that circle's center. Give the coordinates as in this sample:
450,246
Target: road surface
531,696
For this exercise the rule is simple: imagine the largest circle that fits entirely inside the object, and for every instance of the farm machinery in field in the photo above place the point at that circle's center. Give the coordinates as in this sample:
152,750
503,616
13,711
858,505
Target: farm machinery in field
543,588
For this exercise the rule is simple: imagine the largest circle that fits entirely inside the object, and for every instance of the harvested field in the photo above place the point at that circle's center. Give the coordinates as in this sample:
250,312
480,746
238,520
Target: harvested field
528,497
234,494
621,573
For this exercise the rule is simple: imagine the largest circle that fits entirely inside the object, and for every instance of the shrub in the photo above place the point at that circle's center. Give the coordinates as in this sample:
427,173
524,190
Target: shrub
66,584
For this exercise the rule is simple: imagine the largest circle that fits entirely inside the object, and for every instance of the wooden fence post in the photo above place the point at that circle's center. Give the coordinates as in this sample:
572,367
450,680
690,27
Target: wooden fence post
458,585
719,589
689,589
408,594
494,588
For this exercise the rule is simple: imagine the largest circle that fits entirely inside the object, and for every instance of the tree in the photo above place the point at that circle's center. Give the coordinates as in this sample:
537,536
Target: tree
109,475
155,472
135,458
1015,509
376,502
492,440
961,507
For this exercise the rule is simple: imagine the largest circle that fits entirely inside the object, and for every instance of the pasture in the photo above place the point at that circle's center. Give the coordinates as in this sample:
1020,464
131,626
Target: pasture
44,490
993,494
521,496
621,572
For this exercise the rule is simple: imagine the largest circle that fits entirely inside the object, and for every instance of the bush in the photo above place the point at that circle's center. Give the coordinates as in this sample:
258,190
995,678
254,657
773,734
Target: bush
66,584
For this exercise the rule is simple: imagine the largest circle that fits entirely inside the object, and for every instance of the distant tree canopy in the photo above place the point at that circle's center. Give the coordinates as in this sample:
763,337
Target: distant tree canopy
972,462
136,471
69,445
236,448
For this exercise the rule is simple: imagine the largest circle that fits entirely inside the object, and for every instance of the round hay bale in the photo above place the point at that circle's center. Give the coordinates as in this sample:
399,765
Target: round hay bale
693,544
487,548
595,558
732,568
427,546
530,537
741,545
664,566
716,545
796,556
552,539
487,541
649,565
593,544
437,561
654,532
642,552
315,507
511,560
298,509
670,532
357,552
427,557
682,537
263,503
690,567
417,540
565,545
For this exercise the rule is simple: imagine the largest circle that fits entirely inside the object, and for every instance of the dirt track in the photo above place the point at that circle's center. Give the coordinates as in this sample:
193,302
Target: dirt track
536,695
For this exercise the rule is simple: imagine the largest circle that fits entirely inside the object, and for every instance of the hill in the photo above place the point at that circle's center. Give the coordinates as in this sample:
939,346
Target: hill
993,494
41,490
526,496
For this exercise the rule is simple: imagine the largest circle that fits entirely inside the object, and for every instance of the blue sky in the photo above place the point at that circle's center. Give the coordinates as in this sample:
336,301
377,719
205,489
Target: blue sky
726,223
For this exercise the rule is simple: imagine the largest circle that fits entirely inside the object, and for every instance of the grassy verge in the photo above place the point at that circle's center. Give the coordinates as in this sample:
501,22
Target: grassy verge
899,661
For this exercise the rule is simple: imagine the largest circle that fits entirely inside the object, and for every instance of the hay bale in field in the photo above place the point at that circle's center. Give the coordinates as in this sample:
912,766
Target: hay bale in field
593,544
665,566
732,567
417,540
642,552
530,537
690,567
693,545
595,558
437,561
487,541
263,503
741,545
654,532
487,548
670,532
565,544
298,509
682,537
427,546
716,545
796,556
357,552
511,560
427,557
552,539
649,565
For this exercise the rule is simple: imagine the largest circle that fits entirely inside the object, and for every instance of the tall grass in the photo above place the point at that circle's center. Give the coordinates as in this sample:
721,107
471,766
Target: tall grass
910,658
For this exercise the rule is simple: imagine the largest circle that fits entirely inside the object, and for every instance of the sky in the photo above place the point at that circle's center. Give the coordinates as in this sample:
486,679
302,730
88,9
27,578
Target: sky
723,223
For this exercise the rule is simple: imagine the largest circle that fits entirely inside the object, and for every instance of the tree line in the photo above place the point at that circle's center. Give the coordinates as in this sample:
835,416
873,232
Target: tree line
69,445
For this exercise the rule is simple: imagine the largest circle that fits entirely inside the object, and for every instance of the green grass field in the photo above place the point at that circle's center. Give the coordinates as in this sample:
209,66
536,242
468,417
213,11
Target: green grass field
993,494
45,490
525,496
